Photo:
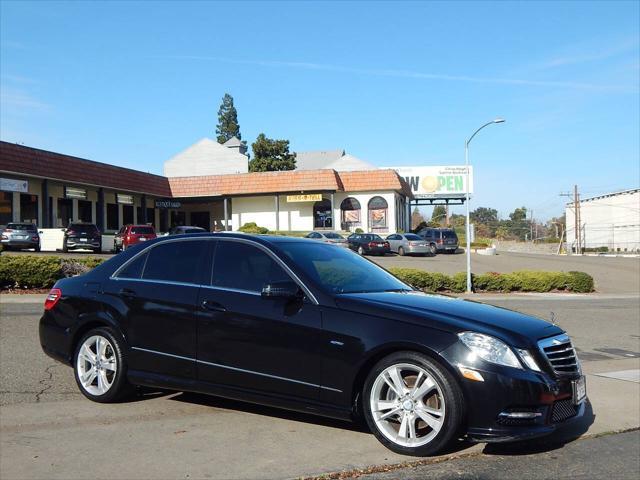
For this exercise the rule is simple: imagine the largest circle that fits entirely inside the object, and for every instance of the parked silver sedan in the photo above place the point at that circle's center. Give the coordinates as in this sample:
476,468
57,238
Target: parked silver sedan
407,244
20,236
329,237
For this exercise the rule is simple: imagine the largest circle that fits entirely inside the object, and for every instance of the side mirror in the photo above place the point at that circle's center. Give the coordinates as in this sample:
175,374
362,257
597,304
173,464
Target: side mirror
281,290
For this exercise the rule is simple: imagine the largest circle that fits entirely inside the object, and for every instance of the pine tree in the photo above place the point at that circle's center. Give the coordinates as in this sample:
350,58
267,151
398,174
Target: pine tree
227,120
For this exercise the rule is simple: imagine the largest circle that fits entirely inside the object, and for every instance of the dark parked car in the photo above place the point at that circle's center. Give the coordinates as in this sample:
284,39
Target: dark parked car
182,229
329,237
82,236
368,244
20,236
131,235
440,239
310,327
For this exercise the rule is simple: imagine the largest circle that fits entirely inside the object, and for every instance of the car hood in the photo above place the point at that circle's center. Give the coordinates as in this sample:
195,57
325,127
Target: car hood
451,314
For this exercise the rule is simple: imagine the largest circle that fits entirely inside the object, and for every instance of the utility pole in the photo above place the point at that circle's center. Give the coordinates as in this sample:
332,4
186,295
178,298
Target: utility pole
531,226
576,213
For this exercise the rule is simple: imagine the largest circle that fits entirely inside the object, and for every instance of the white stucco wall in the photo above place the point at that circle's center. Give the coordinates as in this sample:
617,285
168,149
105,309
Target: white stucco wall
262,210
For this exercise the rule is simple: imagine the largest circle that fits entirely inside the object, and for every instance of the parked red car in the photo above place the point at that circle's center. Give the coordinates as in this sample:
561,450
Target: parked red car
130,235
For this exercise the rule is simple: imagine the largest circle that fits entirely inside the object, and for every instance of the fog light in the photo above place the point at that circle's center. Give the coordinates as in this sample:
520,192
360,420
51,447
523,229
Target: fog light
521,415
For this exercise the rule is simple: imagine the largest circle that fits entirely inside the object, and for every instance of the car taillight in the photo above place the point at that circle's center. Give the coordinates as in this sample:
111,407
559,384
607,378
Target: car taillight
71,232
439,241
52,298
35,238
371,244
386,244
8,230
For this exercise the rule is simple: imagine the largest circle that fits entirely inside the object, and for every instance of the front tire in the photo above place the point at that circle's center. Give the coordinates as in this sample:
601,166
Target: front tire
100,366
412,404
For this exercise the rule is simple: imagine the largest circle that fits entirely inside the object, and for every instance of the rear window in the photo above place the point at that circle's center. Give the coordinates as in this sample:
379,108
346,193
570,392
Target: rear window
335,236
22,226
449,234
412,236
83,227
193,230
142,230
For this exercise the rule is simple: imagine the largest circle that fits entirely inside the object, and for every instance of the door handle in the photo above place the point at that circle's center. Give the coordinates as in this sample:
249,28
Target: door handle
213,306
127,292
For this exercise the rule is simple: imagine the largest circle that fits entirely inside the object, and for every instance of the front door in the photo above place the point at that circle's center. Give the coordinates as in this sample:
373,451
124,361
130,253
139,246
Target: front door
158,292
247,341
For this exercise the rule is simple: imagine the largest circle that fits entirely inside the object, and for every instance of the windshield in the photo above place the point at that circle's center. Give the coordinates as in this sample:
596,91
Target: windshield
412,236
83,227
335,236
338,270
21,226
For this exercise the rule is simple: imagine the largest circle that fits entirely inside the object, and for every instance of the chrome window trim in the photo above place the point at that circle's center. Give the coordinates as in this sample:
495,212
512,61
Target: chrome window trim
164,282
291,273
236,369
235,290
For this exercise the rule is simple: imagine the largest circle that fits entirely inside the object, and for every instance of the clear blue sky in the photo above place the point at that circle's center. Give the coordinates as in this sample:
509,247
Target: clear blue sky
393,83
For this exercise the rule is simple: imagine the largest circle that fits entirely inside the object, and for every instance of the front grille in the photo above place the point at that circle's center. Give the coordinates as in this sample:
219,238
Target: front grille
562,410
560,354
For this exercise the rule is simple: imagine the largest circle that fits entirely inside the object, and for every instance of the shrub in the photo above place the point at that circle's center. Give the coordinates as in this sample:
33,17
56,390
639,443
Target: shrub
525,281
29,271
359,230
252,227
581,282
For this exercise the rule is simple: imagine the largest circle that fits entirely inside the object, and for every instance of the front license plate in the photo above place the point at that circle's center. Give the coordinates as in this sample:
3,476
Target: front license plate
579,390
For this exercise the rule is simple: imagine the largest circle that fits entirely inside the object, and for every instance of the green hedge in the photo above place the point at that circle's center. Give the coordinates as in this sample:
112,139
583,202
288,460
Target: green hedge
30,271
521,281
252,227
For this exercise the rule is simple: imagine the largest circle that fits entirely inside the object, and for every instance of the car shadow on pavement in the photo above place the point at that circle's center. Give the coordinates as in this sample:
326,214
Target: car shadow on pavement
558,439
239,406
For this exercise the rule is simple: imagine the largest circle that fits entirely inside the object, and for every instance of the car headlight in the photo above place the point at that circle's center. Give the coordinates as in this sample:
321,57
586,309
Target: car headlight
490,349
528,360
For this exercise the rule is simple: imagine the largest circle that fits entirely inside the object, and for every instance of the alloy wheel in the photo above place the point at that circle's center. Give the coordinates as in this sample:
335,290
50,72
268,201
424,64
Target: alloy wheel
96,365
407,405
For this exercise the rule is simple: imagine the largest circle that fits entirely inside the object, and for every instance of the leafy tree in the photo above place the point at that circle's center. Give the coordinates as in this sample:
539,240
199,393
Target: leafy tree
457,220
227,120
485,221
416,219
518,215
271,155
439,214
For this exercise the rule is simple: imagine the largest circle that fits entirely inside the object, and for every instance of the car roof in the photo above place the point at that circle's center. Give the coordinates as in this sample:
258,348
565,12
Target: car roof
263,239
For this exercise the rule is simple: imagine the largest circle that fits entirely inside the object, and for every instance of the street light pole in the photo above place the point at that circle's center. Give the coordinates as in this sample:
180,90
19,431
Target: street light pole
468,225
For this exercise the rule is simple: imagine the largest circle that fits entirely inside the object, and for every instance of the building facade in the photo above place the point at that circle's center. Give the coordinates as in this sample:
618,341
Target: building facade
611,220
52,189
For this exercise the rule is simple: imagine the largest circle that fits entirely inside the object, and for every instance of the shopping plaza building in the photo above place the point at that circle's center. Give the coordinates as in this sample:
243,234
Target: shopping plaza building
207,185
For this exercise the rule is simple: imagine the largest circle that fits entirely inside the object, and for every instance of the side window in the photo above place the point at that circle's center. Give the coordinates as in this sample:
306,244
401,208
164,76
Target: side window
394,237
245,267
181,261
314,235
134,268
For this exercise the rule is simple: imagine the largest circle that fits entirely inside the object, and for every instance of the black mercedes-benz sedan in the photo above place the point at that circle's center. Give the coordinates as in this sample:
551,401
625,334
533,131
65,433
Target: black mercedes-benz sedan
306,326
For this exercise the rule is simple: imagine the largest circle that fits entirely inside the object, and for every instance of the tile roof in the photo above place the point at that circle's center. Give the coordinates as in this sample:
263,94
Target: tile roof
254,183
42,163
367,180
21,160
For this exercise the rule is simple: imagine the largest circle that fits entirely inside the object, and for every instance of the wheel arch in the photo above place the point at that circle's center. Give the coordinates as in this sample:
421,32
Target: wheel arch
382,352
89,322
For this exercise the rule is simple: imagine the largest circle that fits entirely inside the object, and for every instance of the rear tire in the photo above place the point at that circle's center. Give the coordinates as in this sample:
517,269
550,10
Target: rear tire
401,251
360,251
100,366
37,249
412,404
433,249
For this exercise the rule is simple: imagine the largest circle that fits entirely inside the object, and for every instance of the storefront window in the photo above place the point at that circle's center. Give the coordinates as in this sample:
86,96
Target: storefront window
322,214
164,223
29,208
6,208
178,218
378,209
65,212
350,208
112,216
151,216
84,211
127,214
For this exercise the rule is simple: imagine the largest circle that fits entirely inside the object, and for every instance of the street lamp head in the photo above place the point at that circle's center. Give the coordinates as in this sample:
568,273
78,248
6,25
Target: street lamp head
499,120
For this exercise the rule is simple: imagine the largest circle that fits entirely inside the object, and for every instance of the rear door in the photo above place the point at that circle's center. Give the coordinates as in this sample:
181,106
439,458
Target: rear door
157,293
270,345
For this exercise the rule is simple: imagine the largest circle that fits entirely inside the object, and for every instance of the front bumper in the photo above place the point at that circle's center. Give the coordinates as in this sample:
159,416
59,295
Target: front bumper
507,390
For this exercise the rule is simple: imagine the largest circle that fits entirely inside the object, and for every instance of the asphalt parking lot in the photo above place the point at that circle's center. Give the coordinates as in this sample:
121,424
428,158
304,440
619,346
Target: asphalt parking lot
50,431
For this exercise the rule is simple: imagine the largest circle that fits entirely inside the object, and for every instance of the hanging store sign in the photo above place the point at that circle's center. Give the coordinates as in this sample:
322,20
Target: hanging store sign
313,197
124,199
13,185
168,204
437,182
75,192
